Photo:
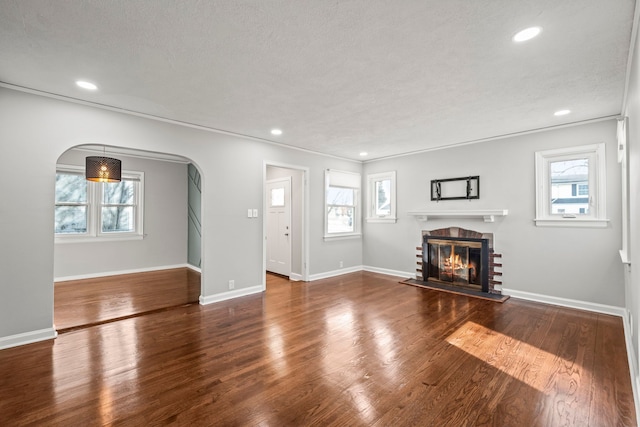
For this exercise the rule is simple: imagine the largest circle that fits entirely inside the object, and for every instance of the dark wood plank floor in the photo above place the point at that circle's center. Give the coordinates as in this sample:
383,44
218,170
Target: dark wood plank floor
93,301
355,350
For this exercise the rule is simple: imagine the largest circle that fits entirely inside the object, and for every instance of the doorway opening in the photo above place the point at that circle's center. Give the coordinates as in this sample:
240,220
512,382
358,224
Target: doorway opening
285,221
103,272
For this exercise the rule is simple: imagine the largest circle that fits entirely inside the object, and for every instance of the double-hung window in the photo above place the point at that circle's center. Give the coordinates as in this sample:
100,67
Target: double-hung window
88,210
381,191
342,204
570,187
72,203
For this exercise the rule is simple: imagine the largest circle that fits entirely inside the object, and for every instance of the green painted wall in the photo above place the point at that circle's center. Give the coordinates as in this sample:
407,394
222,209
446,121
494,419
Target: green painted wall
195,233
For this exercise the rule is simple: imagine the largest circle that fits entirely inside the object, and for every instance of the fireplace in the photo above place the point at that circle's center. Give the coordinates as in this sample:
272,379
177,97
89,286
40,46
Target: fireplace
458,257
456,261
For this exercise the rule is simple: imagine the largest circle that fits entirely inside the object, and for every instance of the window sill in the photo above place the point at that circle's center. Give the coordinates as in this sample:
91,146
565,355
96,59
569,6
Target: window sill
343,237
571,222
390,220
96,239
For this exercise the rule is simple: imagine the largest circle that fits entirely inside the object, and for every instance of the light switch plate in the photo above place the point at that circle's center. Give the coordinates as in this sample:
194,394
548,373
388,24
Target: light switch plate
249,213
255,213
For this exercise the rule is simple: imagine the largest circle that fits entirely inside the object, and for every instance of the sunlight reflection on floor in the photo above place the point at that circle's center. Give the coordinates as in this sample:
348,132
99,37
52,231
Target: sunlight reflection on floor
511,356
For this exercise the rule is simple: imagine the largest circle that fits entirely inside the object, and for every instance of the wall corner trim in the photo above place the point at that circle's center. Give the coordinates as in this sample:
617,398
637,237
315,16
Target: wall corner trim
210,299
27,338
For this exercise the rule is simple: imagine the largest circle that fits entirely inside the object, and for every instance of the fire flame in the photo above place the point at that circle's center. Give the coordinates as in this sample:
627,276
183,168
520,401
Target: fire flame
455,262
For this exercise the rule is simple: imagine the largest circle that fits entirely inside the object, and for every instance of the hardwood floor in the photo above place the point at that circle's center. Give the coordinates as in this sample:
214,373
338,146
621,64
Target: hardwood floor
94,301
354,350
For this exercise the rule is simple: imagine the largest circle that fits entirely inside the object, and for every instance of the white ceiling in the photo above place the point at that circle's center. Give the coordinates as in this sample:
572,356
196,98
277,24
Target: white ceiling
338,77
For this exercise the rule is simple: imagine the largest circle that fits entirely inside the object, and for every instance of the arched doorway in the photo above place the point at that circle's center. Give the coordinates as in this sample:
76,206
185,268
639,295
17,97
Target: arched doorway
152,253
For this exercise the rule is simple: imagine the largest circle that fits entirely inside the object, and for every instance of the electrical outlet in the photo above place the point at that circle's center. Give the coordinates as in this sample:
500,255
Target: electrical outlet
232,284
341,264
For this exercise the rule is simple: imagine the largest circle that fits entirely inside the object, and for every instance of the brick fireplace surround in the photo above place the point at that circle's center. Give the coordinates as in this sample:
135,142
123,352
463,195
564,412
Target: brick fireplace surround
460,234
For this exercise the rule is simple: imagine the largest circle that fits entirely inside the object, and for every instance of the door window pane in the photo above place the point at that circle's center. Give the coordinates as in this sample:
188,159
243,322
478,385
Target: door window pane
277,197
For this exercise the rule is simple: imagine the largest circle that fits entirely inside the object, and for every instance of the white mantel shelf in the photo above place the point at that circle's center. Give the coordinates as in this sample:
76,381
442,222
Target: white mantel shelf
487,215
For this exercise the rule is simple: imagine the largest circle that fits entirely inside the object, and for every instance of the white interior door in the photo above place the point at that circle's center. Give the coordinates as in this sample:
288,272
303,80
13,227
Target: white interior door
279,226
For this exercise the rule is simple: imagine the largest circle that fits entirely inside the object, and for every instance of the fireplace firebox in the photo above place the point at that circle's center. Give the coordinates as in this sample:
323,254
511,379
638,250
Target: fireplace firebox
456,261
458,257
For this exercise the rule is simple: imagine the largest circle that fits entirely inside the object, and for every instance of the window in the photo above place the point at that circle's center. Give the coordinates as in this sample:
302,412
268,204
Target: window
277,197
381,191
97,211
117,207
583,189
342,212
570,187
71,203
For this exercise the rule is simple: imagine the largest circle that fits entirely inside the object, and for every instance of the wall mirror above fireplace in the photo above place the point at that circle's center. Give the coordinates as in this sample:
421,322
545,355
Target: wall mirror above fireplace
467,187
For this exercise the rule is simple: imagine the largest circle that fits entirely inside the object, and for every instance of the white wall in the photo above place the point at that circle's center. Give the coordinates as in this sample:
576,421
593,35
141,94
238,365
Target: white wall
165,224
632,276
35,131
574,263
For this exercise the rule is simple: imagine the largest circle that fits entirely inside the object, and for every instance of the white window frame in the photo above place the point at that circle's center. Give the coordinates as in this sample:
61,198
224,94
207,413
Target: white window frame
94,205
372,195
597,187
344,179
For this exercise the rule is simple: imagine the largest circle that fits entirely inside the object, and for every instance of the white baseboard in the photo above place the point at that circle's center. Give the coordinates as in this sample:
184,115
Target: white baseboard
334,273
116,273
632,358
27,338
210,299
566,302
194,268
388,272
636,383
295,277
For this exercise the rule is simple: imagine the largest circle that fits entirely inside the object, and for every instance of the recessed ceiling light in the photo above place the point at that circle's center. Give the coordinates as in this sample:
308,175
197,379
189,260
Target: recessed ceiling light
364,153
562,112
527,34
86,85
276,132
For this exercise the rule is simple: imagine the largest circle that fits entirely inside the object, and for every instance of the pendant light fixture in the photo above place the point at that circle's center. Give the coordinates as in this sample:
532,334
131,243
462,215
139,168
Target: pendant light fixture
103,169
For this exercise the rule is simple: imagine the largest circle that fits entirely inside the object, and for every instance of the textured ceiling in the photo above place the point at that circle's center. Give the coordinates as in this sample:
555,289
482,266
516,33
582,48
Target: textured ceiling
338,77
